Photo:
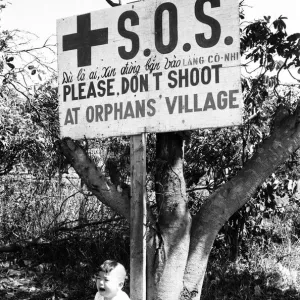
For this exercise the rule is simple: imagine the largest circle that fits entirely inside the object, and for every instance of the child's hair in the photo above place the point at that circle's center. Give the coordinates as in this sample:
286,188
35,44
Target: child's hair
109,265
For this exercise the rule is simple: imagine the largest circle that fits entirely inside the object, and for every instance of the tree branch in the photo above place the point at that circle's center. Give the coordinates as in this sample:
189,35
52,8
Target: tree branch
95,181
81,226
112,4
14,247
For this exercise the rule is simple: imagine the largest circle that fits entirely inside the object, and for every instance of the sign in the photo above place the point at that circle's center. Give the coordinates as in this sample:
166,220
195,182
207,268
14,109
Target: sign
149,66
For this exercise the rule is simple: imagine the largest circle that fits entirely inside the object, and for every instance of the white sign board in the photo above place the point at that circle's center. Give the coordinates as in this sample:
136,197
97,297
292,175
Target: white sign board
150,66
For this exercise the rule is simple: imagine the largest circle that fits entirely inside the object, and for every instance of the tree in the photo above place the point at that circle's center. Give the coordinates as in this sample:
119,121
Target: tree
178,241
27,76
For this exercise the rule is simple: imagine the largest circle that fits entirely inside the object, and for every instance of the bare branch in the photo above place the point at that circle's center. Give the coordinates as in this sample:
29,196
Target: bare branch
112,4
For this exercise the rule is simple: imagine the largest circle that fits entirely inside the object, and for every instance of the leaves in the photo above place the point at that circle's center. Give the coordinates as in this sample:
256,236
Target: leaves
293,37
16,281
280,24
11,65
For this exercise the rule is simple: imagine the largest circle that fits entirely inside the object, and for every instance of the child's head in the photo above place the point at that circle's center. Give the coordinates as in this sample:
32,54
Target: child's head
110,279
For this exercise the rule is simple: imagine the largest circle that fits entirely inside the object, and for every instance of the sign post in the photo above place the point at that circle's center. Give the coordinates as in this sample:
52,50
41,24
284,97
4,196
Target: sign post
138,215
148,66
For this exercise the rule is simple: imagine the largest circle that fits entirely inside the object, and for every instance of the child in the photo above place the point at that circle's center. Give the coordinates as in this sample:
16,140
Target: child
110,281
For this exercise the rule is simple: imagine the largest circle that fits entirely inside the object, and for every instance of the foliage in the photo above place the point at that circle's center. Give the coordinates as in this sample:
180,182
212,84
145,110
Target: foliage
28,132
60,231
61,234
215,156
28,106
270,269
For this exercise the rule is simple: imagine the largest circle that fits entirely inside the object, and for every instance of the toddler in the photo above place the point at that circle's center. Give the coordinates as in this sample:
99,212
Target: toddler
110,281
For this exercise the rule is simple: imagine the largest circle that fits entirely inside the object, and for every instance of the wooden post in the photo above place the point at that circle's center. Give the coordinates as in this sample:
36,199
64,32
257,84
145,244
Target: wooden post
138,214
138,217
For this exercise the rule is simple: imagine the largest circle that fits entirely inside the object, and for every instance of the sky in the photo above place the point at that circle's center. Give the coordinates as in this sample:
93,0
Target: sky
39,17
288,8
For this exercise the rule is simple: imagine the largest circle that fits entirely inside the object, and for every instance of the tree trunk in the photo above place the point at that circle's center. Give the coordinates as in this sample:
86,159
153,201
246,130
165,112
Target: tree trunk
172,233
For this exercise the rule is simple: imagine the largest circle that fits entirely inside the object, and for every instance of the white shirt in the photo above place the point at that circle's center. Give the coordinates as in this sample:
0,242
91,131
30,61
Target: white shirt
120,296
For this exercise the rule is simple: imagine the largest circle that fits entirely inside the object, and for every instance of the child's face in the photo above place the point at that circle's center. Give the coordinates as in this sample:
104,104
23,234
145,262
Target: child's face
108,284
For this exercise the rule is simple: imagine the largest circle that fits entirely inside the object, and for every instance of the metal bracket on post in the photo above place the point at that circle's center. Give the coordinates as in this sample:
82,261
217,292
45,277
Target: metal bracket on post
138,213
